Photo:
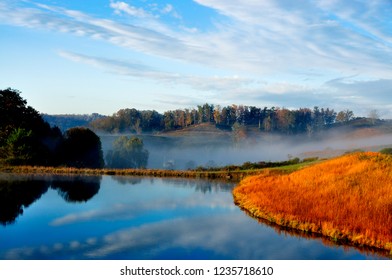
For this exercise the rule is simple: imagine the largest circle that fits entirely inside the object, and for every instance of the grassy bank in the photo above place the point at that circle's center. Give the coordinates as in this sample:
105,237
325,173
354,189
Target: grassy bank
235,173
226,175
347,199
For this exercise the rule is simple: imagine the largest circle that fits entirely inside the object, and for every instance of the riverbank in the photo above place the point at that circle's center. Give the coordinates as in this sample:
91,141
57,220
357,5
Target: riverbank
225,175
234,173
348,199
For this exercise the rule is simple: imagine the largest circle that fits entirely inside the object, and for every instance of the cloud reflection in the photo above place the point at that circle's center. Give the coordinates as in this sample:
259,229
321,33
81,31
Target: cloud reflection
227,236
122,211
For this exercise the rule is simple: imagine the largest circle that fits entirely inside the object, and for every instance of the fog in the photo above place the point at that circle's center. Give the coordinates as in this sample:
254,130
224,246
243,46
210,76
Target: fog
187,152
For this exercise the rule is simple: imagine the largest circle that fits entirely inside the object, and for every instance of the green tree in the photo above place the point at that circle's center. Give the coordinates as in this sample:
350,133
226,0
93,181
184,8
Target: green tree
22,130
128,152
19,148
82,149
386,151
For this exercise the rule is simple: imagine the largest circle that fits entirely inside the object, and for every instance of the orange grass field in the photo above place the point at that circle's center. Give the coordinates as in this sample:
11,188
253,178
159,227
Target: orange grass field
348,199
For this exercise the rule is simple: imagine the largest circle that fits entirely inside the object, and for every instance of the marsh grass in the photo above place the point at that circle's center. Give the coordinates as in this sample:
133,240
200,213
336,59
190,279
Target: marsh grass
348,199
214,174
235,173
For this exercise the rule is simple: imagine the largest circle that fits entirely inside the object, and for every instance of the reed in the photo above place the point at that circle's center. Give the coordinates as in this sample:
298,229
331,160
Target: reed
236,175
348,198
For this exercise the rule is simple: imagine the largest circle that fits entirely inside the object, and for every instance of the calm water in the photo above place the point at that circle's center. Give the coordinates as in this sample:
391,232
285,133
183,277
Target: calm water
73,217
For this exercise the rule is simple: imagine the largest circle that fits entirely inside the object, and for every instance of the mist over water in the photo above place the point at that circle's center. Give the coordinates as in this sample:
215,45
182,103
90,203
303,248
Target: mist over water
189,152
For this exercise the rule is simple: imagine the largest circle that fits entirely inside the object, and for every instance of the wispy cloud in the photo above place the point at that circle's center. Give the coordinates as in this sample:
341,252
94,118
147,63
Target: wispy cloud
262,37
122,211
122,7
213,235
367,95
262,40
139,70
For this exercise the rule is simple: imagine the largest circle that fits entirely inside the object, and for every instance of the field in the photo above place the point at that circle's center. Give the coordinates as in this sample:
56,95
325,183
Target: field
348,199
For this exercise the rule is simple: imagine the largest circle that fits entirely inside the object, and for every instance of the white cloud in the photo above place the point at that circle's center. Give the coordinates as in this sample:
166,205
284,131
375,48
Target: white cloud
262,40
137,70
122,7
167,9
264,37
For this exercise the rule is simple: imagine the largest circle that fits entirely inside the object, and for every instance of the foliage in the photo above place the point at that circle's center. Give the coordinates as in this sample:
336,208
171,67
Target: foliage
253,165
130,121
82,149
128,152
386,151
19,147
345,116
347,198
25,138
273,119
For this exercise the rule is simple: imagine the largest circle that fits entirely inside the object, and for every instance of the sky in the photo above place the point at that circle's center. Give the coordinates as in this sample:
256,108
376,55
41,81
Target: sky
99,56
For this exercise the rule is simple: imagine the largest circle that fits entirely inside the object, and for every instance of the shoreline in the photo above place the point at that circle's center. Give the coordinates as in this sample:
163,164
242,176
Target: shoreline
312,200
235,175
334,235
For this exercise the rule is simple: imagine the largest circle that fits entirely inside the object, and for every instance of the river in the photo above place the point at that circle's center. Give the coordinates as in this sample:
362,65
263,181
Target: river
118,217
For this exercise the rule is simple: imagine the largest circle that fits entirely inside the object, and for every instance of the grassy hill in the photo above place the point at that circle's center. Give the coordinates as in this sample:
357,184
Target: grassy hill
348,199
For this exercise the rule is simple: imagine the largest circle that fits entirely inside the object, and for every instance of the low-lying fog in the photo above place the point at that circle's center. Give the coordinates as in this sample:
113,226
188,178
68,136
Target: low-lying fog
167,152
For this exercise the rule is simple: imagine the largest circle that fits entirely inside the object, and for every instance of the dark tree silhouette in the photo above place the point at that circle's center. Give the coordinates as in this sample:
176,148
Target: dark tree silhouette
82,149
25,138
77,188
16,195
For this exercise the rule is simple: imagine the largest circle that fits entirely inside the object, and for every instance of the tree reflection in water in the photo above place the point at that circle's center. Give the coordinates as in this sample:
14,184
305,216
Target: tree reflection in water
19,192
15,196
77,188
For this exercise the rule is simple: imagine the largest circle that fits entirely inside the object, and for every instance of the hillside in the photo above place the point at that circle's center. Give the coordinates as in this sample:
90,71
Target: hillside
199,135
348,199
65,122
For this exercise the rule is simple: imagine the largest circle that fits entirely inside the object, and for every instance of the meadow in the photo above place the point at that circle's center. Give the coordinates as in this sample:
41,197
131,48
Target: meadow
348,199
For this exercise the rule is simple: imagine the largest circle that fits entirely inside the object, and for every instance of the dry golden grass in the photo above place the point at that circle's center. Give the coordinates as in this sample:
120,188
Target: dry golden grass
347,198
225,175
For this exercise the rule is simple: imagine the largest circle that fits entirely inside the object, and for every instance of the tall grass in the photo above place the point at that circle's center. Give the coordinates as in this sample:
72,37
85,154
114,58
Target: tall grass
235,175
348,198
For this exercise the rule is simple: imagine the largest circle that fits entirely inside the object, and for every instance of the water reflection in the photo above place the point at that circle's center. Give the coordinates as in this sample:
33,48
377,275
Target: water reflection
284,231
203,186
216,237
124,180
18,192
17,195
77,188
146,218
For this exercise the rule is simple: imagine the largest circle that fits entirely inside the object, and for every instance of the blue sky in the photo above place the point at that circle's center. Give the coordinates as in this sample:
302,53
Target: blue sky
103,55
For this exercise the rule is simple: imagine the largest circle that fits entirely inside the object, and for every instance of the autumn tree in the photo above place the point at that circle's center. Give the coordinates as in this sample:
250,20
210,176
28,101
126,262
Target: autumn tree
345,116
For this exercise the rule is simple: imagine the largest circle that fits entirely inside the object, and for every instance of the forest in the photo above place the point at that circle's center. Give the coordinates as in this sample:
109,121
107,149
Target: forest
274,119
26,139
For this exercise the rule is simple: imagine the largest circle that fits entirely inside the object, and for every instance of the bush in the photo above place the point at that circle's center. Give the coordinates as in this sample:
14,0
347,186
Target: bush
82,149
386,151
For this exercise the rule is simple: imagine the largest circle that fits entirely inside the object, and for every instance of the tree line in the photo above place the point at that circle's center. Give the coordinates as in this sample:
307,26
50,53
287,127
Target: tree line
274,119
26,139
